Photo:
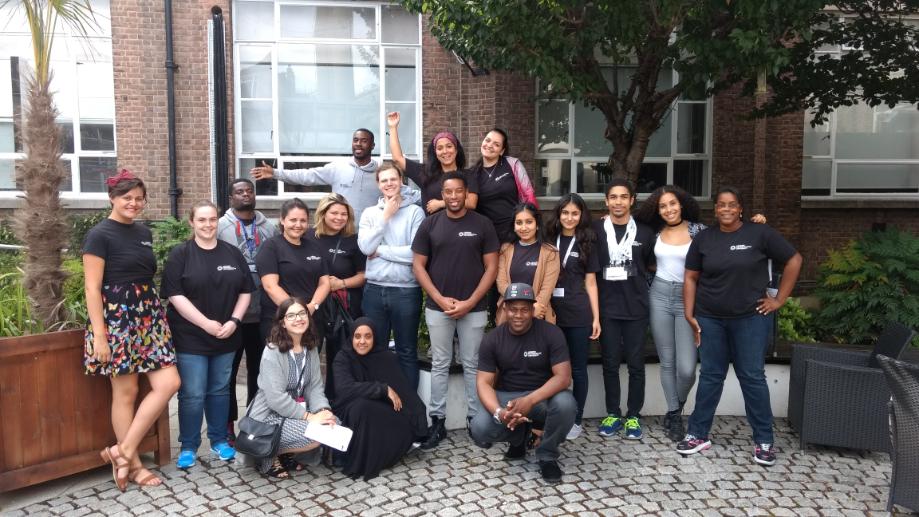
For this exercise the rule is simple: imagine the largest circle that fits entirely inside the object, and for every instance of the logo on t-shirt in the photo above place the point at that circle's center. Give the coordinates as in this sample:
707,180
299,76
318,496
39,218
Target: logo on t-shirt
226,267
532,353
501,176
531,264
146,243
313,257
740,247
336,251
575,254
468,234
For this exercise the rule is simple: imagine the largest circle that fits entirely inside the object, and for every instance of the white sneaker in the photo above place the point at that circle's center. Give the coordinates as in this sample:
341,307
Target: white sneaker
575,431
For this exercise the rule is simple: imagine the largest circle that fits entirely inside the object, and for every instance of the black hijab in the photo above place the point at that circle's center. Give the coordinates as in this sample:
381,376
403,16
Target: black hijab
379,365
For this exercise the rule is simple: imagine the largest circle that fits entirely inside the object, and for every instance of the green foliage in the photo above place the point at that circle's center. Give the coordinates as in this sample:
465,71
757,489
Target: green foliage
868,283
168,234
79,226
16,318
7,234
795,323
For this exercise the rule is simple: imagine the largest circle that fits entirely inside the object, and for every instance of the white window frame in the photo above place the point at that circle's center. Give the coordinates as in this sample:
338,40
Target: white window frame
380,132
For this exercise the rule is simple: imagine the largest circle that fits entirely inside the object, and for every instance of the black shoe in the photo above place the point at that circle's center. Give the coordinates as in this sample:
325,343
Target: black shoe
436,433
516,452
550,471
673,424
483,445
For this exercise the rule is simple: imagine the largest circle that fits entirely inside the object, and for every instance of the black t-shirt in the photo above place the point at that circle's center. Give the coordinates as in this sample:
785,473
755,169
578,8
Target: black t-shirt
498,197
434,189
524,262
733,268
454,248
523,363
573,309
298,268
349,262
212,280
126,248
625,299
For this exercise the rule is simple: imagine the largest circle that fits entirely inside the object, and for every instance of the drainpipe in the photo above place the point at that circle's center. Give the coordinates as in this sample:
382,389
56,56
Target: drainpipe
219,116
174,190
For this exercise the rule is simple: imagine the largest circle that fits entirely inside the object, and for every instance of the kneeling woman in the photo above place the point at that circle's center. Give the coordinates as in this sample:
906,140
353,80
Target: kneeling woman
376,401
290,389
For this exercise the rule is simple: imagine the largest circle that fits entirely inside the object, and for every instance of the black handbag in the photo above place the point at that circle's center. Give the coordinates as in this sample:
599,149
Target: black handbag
258,439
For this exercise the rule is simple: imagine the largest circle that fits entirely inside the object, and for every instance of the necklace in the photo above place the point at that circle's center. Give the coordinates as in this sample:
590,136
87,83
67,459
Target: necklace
676,224
493,169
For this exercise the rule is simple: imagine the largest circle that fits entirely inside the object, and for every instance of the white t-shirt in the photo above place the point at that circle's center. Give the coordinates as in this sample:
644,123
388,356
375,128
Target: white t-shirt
671,260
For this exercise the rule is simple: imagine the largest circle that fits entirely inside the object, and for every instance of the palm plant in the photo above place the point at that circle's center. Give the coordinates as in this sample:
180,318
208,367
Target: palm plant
40,221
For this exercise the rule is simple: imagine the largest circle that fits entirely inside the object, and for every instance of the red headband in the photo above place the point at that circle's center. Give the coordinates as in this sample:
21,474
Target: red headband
123,174
445,134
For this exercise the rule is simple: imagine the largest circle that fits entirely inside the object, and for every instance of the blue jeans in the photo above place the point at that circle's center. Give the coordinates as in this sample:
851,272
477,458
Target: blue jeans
397,309
743,342
205,391
675,342
578,339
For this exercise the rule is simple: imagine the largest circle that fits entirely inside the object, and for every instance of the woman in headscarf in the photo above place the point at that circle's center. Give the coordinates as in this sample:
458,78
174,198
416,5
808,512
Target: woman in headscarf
374,399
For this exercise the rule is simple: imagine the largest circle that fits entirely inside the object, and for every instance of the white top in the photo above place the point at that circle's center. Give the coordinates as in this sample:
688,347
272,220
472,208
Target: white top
671,260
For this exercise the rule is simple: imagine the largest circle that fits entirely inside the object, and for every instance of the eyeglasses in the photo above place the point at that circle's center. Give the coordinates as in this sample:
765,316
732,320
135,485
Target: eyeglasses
295,316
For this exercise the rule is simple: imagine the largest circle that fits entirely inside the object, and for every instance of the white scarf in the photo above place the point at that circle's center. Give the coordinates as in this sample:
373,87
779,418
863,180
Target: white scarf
620,252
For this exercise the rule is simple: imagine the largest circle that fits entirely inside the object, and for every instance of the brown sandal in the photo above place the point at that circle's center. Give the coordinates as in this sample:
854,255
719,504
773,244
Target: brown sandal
277,470
150,479
119,464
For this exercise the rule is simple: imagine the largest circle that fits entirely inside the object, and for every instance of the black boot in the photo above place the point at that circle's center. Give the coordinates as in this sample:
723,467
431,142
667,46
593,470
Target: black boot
436,433
674,425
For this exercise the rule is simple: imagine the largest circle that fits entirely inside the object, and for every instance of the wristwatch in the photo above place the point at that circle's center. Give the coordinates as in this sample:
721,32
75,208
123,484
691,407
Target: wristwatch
236,320
315,307
497,415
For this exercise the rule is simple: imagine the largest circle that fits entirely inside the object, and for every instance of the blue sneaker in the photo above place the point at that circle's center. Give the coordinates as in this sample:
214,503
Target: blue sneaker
186,459
224,451
632,428
610,425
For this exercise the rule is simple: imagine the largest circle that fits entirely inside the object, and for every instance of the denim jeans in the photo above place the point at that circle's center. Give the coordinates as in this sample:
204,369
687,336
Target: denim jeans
253,345
470,329
743,342
623,339
675,342
578,339
205,391
397,309
555,413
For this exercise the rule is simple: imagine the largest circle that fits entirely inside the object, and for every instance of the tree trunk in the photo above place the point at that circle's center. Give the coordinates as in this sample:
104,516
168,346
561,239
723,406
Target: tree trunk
40,221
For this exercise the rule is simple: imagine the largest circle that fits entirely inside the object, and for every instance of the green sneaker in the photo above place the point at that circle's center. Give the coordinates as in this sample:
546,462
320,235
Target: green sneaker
633,428
611,425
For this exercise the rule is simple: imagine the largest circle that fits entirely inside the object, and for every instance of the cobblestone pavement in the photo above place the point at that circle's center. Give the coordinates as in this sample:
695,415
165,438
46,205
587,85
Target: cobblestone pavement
603,476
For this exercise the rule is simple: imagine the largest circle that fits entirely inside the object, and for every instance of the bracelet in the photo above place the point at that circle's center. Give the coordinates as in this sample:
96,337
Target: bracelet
497,415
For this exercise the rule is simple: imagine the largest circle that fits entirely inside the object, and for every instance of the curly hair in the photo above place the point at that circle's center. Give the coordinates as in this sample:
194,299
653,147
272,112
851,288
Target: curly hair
280,338
649,212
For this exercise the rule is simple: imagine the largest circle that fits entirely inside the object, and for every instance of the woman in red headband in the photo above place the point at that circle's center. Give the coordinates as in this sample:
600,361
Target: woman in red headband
445,154
127,332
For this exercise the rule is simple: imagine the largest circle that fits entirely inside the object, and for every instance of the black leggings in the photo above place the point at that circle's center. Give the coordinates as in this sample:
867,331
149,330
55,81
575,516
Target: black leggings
253,344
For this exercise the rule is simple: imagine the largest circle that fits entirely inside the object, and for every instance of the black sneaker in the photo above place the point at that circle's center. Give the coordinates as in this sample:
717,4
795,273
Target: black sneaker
483,445
436,433
674,425
692,444
764,454
516,452
550,471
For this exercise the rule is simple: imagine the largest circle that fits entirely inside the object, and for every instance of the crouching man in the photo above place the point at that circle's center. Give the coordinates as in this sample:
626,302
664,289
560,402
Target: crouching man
522,381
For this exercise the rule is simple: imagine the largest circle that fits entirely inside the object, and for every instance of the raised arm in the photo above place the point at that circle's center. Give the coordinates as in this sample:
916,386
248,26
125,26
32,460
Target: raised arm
392,121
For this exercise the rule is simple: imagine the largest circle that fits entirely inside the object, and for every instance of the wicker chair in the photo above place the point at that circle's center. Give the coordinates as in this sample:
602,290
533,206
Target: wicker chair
839,397
903,380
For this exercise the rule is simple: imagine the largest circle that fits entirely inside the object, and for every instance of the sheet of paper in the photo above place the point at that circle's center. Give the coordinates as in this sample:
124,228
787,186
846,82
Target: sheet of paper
337,437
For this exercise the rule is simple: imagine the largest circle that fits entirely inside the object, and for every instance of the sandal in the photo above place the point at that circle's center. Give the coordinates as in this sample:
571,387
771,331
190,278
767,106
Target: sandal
119,464
277,470
288,462
151,479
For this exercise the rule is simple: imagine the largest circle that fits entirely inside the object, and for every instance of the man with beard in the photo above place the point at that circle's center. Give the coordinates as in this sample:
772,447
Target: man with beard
455,262
246,228
523,378
354,177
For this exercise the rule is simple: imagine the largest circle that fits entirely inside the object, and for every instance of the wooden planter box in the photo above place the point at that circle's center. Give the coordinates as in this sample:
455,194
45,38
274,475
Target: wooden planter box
54,419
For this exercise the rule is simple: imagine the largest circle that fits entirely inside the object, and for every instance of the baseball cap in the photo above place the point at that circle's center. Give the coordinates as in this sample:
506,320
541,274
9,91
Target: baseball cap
519,291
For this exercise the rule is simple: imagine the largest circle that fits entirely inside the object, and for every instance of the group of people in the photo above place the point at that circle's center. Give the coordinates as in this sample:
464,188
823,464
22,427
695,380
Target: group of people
471,244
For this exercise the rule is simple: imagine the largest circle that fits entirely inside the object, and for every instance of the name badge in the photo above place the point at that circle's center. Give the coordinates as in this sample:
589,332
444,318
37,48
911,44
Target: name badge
252,268
558,292
615,273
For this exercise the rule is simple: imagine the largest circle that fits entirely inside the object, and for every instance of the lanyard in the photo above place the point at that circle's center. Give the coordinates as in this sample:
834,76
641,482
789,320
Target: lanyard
558,242
300,366
251,242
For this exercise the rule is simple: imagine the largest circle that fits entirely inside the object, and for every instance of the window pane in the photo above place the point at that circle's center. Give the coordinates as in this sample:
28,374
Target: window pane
309,21
659,145
67,183
256,126
690,175
690,136
254,20
816,177
553,127
289,187
97,137
589,126
254,72
262,187
887,178
652,175
7,137
93,172
554,177
7,174
400,74
63,84
863,132
592,177
399,25
408,132
96,88
6,88
66,136
325,92
816,139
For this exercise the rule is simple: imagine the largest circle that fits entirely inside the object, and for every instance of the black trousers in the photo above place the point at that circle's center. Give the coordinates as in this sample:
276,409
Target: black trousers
253,344
623,340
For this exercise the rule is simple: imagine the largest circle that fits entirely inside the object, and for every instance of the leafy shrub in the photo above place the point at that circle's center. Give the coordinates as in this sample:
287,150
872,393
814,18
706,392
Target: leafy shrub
79,225
795,323
7,235
868,283
167,234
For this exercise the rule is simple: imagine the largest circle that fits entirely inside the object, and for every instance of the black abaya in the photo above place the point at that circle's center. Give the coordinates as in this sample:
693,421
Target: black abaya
382,435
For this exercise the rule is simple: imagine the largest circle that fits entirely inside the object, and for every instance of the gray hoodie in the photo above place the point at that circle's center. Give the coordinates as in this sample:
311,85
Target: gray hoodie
357,183
229,229
391,241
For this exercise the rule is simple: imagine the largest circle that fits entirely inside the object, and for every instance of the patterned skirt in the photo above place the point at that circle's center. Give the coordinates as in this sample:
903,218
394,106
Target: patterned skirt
138,333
